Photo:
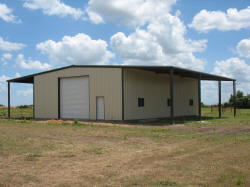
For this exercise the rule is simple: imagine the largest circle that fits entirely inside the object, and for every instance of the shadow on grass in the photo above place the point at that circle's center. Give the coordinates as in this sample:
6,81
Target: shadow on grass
20,118
167,121
146,122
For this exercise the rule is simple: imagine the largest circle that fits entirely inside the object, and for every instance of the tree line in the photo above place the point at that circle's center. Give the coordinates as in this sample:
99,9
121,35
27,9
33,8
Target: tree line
241,100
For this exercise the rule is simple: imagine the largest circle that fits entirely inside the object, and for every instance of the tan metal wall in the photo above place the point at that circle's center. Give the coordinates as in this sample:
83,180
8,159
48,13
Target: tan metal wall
154,88
102,82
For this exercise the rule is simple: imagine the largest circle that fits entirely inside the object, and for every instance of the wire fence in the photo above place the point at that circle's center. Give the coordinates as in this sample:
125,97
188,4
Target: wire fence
17,113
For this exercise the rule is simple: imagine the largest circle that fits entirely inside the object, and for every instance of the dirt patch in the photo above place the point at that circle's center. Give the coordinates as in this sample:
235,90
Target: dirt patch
54,121
182,127
219,131
110,124
97,138
216,130
234,131
192,128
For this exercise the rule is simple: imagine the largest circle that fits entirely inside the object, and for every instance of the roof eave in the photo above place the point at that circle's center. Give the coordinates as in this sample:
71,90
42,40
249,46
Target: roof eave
191,73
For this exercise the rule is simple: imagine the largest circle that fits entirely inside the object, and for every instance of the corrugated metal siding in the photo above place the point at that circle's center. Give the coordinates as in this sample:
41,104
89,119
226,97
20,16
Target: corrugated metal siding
74,97
154,88
103,82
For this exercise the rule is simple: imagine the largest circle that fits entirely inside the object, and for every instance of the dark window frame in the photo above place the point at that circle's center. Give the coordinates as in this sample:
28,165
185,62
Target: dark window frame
191,102
141,102
169,102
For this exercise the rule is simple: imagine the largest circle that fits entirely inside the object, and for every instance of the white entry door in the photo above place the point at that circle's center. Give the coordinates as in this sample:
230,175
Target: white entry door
74,98
100,108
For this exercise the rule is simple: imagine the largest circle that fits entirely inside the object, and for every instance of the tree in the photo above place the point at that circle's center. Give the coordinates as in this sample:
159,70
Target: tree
241,100
231,100
239,94
245,102
248,96
202,104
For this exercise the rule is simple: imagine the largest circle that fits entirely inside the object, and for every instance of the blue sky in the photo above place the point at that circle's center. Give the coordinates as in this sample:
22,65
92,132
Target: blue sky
209,36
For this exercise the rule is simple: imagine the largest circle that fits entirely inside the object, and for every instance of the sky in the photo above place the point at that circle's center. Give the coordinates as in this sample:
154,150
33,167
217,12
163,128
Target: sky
208,36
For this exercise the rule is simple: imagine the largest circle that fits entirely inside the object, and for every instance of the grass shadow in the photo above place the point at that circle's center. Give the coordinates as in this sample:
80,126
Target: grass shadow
167,121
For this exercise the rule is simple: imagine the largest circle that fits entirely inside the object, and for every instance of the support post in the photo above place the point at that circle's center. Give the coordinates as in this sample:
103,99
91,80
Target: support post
8,99
234,97
59,99
122,94
33,100
172,95
219,107
199,97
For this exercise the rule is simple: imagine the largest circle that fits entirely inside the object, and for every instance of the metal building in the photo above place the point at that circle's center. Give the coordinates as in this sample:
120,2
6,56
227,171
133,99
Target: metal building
117,92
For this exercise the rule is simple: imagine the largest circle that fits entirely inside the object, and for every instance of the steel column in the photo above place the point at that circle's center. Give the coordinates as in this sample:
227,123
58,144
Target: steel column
123,94
59,99
172,95
199,96
234,97
219,107
8,99
34,100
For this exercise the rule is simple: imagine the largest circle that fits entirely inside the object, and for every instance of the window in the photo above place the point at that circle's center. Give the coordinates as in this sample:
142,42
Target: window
169,102
191,102
140,102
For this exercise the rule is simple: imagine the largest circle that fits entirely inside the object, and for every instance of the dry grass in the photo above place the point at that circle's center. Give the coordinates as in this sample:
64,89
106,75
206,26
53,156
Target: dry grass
210,153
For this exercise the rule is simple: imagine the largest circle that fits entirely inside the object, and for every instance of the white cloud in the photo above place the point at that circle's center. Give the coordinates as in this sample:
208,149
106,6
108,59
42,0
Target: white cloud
94,17
233,67
10,46
243,48
169,32
128,12
163,40
78,49
233,19
139,45
162,43
30,64
17,75
54,7
5,58
237,69
25,93
6,14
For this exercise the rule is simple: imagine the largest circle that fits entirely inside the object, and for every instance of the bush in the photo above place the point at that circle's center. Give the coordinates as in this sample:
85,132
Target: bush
24,106
75,121
204,105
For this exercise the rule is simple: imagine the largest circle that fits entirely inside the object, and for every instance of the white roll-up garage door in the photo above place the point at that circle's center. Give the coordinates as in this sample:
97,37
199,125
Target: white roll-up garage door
74,98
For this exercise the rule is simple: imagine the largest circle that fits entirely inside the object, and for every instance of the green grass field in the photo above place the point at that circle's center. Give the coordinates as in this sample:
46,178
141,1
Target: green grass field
17,113
213,152
27,113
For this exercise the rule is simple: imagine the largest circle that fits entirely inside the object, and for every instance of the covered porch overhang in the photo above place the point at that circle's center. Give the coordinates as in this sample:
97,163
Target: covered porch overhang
27,80
200,76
